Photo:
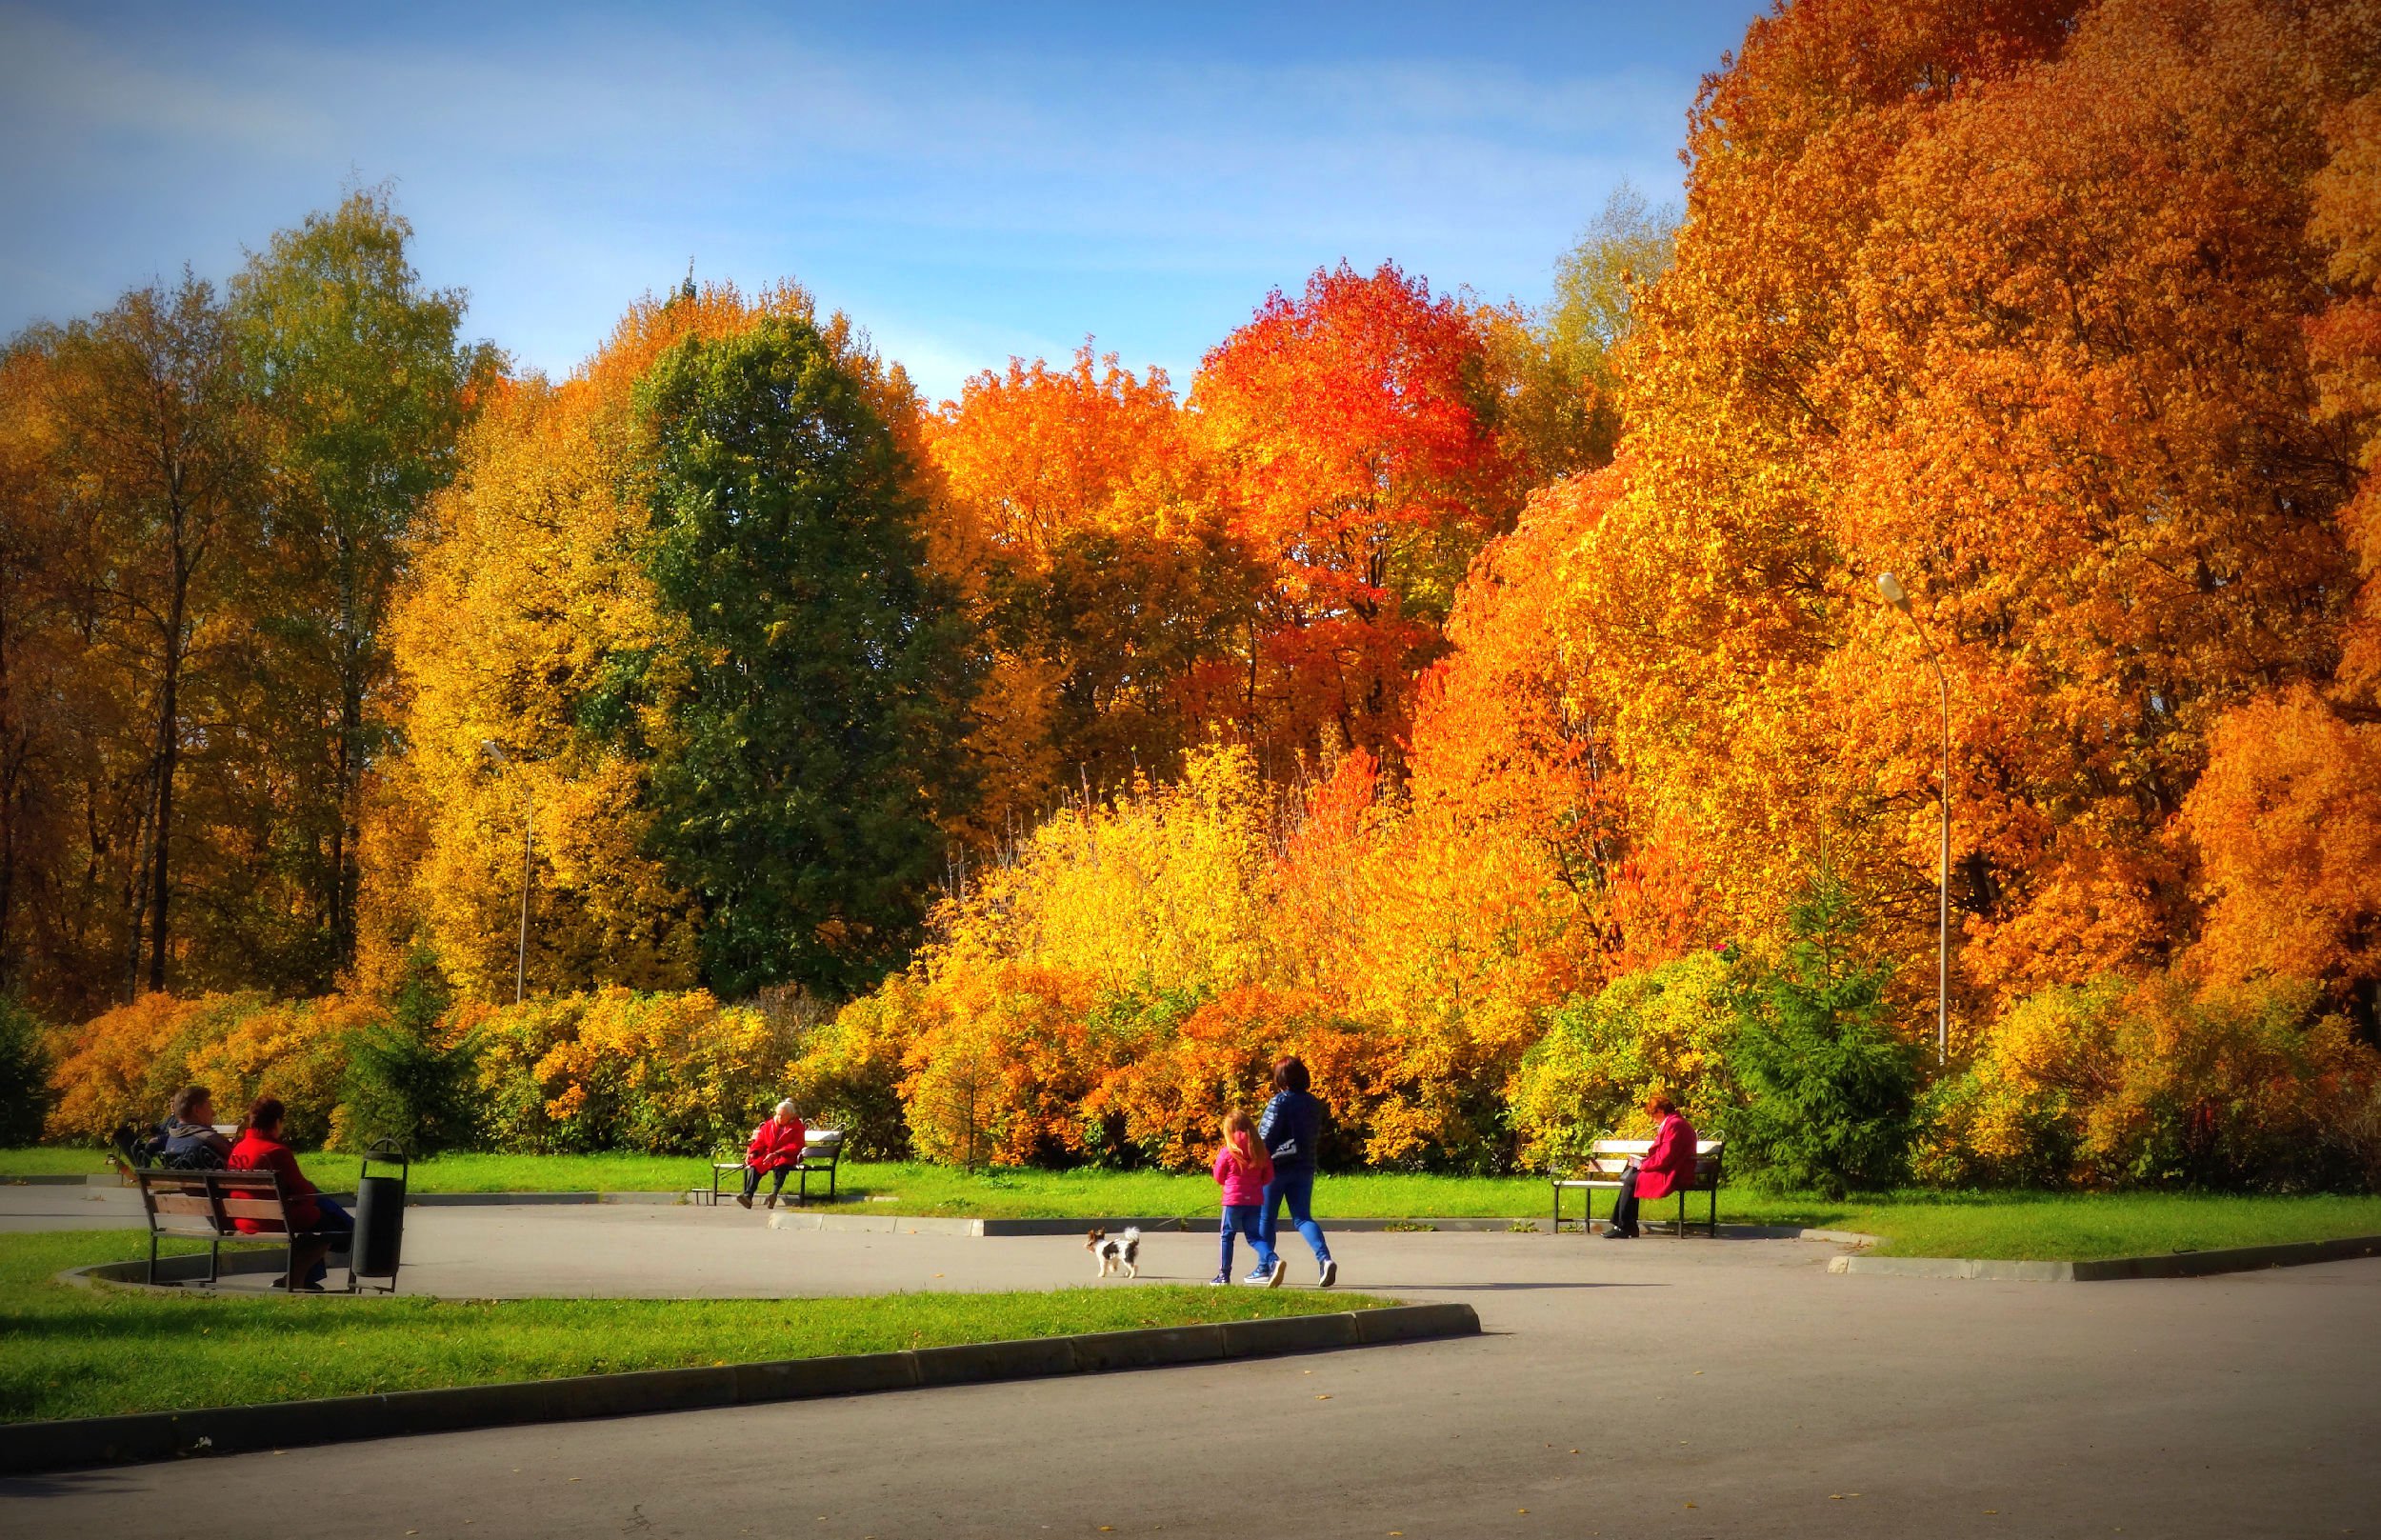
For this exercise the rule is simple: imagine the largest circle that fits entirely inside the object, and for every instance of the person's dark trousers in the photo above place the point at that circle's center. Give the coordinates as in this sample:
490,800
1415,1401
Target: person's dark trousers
776,1180
334,1231
1244,1219
1294,1191
1624,1202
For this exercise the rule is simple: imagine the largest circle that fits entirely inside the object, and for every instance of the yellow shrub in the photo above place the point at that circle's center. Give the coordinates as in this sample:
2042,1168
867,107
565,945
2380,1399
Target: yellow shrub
621,1069
295,1050
125,1064
2154,1083
849,1074
1663,1029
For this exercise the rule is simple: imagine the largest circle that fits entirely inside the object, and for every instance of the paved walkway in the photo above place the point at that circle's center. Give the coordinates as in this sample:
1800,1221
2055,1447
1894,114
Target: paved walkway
1710,1389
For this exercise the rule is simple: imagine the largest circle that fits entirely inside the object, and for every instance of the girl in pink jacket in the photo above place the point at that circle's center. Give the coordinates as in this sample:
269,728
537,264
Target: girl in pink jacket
1242,1168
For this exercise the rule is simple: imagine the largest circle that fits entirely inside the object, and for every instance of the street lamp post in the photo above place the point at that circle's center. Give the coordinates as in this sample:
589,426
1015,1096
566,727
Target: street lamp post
1888,585
528,831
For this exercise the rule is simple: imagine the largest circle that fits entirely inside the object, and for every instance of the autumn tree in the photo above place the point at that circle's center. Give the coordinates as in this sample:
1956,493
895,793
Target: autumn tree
35,670
157,447
529,622
2285,822
1103,569
821,672
359,370
1361,462
1564,403
2010,301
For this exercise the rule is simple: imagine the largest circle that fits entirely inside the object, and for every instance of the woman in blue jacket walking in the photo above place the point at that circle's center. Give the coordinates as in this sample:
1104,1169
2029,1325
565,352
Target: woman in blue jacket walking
1292,1131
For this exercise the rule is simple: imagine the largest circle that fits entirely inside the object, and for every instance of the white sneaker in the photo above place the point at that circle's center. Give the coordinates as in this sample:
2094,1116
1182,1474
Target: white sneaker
1330,1274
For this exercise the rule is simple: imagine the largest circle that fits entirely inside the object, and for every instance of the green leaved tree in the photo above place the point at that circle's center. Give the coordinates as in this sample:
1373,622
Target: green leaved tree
820,697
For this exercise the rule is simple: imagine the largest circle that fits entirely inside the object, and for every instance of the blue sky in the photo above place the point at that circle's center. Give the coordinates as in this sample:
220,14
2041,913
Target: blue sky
968,181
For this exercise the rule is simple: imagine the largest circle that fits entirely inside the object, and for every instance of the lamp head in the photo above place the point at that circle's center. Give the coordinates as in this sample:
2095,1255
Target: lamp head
492,750
1889,586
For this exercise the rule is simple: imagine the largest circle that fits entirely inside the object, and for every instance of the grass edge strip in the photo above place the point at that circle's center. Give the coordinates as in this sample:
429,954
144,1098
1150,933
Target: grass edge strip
35,1447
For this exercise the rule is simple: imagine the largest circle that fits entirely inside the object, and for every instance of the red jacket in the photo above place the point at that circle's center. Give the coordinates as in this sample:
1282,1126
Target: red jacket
1671,1164
776,1146
254,1152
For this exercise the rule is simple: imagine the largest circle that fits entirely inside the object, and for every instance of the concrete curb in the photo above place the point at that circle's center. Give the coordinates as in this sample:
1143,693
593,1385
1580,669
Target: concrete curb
28,1448
2172,1265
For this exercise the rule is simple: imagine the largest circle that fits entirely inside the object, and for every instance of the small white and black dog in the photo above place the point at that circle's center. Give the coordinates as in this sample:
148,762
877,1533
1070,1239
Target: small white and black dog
1117,1252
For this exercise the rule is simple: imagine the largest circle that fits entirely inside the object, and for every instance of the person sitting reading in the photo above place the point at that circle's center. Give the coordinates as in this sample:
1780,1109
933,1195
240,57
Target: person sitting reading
190,1140
319,1225
1666,1168
774,1149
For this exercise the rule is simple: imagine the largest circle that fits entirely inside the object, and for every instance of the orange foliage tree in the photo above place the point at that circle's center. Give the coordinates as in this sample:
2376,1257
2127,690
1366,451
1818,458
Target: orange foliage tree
1362,461
2010,300
1082,514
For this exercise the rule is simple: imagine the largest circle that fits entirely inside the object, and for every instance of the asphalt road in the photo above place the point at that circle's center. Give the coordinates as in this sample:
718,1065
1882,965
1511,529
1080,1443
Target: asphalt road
1655,1387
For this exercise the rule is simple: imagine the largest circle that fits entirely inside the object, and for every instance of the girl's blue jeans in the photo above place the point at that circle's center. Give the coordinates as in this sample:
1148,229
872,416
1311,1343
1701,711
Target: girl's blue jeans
1294,1191
1245,1219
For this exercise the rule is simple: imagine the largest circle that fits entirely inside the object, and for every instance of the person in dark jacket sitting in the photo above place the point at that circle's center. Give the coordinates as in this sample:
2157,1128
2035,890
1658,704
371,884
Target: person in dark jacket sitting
1292,1131
321,1225
191,1142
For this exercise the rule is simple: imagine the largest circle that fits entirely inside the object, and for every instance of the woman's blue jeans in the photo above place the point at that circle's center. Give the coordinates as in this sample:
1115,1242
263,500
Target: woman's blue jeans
1294,1191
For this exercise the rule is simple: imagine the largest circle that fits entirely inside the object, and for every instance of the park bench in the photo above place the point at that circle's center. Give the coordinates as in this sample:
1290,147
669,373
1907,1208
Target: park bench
202,1205
1607,1158
822,1151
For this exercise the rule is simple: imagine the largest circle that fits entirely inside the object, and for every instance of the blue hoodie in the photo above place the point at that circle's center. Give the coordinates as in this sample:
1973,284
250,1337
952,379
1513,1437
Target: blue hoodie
1292,1129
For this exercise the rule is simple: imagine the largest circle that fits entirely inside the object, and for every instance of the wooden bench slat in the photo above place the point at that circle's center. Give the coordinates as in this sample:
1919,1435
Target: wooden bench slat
203,1204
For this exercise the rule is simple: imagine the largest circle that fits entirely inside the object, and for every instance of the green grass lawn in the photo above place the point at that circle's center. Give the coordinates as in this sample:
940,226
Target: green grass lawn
2028,1225
68,1352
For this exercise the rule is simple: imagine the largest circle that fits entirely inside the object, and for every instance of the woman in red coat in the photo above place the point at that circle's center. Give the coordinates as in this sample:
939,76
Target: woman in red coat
1666,1168
321,1225
774,1149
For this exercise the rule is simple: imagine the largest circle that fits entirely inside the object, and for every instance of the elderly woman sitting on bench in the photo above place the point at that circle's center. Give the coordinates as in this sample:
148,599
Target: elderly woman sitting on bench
776,1149
1669,1166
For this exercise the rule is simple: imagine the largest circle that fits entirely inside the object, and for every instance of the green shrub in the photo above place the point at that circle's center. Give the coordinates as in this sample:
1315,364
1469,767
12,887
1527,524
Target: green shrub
1829,1090
1665,1029
848,1073
408,1079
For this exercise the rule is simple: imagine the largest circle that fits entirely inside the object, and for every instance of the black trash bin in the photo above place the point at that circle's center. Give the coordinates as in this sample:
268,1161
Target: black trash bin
379,1218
